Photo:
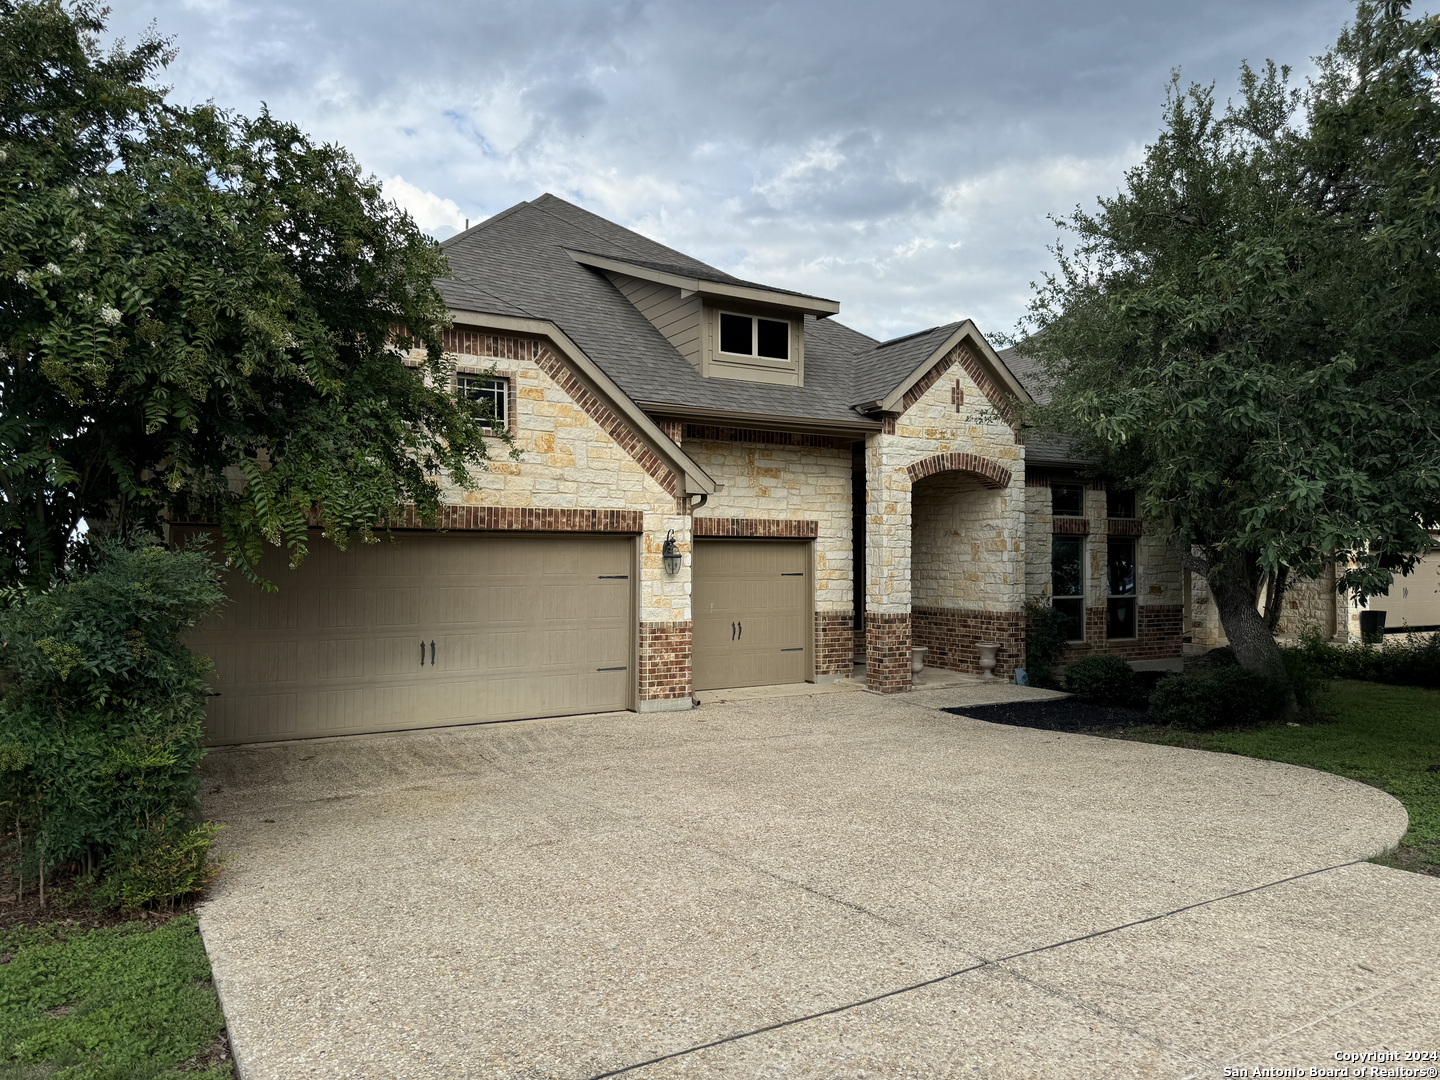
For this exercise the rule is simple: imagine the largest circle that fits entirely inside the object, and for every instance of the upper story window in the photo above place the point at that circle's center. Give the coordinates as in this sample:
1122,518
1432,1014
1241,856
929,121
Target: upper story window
489,390
750,335
1119,504
1067,500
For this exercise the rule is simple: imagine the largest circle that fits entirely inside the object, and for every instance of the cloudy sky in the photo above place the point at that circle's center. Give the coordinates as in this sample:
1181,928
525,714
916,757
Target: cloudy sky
900,156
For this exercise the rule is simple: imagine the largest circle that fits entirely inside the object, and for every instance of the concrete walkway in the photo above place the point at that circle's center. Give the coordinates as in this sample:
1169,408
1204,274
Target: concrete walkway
836,885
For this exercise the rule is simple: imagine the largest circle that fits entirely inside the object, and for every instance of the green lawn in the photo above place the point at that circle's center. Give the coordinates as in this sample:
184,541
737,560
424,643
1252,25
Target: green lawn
131,1002
1388,736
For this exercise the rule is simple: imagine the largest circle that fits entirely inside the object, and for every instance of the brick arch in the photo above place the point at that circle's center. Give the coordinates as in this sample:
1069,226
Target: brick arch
986,471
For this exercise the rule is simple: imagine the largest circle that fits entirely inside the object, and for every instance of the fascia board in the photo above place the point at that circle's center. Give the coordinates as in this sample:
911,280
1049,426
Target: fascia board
768,421
810,305
695,479
968,332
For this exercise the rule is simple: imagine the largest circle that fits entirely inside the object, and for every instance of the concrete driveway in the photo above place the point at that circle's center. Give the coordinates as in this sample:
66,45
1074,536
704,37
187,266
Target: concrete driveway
840,885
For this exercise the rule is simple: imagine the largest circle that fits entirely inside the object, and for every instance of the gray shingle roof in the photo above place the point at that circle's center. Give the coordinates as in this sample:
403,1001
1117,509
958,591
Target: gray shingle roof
1040,447
515,263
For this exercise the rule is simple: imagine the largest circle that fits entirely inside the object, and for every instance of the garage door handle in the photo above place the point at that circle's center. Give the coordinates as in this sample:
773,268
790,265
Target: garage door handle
432,654
732,631
742,633
422,652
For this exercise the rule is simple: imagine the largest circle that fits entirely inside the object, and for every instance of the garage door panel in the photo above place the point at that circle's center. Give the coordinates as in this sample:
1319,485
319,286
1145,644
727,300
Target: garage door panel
1413,600
519,623
751,613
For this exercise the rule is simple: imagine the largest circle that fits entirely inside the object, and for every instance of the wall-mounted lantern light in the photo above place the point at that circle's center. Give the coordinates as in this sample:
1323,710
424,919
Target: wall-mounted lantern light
671,554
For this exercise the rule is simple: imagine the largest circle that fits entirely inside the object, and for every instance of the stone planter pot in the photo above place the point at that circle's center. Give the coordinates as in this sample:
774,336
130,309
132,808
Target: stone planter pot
987,660
917,658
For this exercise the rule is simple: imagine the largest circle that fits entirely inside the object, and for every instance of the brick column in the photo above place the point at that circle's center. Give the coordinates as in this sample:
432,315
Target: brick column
834,643
887,652
665,666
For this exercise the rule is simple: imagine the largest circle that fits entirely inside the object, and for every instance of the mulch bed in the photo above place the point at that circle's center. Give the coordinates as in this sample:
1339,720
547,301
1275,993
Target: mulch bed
1065,714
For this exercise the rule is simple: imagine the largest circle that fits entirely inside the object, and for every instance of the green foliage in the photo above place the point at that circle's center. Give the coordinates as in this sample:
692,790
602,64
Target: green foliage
1413,660
1044,642
1388,736
119,1003
1229,695
1247,333
1101,680
187,296
101,725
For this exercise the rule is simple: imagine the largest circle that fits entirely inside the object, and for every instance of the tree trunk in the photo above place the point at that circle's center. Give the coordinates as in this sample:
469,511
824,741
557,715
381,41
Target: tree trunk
1250,638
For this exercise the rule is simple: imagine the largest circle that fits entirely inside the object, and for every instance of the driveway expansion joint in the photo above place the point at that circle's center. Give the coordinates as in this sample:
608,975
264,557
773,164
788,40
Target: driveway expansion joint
983,965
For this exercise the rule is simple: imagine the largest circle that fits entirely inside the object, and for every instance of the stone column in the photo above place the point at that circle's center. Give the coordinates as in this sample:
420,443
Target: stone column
887,570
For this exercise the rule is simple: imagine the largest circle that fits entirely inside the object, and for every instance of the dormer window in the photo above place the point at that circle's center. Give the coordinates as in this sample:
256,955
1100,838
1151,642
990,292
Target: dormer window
749,335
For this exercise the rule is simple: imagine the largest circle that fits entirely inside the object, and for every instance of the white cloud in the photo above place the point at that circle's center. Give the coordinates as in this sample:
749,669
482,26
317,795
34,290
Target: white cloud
434,215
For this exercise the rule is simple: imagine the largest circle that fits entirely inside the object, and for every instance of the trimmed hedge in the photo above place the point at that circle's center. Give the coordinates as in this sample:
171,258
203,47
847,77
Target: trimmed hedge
1413,660
1102,680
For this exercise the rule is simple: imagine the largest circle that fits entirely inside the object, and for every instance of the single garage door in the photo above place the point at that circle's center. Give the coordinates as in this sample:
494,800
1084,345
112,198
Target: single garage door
1413,600
430,631
751,604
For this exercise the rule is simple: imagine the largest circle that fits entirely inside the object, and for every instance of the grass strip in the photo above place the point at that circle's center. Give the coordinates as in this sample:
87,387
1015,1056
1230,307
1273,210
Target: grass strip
129,1002
1386,736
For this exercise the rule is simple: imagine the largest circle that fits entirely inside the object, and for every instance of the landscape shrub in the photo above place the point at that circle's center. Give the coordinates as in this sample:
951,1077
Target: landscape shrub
1228,695
1413,660
102,723
1044,642
1101,680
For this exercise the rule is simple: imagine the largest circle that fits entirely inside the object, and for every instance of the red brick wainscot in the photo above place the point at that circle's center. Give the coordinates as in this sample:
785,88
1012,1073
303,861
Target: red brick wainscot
834,643
887,652
1161,629
665,660
951,634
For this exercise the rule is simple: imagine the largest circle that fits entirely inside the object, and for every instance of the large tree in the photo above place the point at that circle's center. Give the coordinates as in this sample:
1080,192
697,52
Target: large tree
200,312
1248,332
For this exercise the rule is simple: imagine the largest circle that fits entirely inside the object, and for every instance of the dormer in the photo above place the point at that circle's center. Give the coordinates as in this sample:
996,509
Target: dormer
726,328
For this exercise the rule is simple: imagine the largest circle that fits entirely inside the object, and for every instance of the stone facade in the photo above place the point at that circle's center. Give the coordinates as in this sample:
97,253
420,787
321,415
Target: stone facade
780,477
944,517
574,453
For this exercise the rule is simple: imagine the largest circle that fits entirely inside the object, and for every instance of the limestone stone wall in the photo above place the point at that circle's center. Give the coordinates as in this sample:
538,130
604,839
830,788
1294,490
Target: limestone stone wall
951,415
1310,604
959,545
808,480
569,459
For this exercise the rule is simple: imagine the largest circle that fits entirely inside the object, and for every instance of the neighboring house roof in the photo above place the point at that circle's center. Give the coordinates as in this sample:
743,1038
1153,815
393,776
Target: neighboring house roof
1041,448
529,262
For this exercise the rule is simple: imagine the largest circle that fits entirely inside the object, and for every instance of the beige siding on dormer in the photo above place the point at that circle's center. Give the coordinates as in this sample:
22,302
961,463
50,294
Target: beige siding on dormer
677,317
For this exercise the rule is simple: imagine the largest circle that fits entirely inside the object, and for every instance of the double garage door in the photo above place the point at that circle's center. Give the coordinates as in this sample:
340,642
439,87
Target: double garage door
434,630
1414,600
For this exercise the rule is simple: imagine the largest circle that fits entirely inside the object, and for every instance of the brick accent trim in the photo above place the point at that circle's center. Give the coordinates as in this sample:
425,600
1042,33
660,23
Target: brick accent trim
951,635
989,473
674,430
834,642
754,435
887,652
665,660
760,528
471,342
962,355
526,519
1160,630
1070,526
1122,526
